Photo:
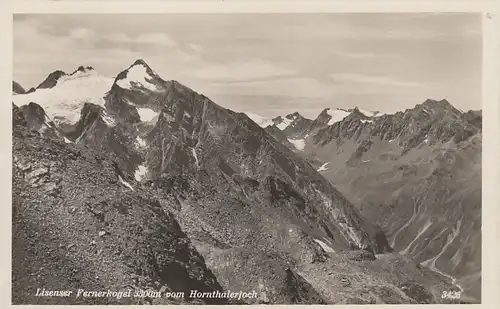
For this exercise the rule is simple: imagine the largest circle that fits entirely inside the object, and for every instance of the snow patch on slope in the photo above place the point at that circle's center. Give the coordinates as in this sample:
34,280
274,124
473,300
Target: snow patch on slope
263,122
284,124
146,114
323,167
140,141
324,246
140,172
108,120
137,75
64,101
125,183
337,115
195,157
299,144
369,113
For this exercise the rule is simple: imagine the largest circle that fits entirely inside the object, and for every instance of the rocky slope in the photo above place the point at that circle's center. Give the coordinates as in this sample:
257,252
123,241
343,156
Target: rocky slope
259,214
77,224
417,174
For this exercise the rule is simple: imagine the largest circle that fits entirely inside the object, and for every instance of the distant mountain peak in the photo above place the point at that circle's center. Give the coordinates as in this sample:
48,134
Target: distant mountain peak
433,101
139,76
435,107
83,69
356,113
364,112
335,115
293,116
278,119
51,80
260,120
443,103
140,62
17,88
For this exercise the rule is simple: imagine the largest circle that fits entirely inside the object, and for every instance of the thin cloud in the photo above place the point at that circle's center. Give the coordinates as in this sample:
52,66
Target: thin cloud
242,71
117,38
293,87
161,39
156,38
82,34
375,80
195,47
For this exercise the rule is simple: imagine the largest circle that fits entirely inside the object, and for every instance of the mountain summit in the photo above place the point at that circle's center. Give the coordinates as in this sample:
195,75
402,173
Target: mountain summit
139,76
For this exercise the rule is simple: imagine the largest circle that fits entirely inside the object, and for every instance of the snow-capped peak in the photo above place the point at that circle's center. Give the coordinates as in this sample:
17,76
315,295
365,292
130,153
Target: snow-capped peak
339,114
63,102
281,122
140,75
79,74
368,113
260,120
336,114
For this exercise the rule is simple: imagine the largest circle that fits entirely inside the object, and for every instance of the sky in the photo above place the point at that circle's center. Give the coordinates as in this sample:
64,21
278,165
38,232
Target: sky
270,64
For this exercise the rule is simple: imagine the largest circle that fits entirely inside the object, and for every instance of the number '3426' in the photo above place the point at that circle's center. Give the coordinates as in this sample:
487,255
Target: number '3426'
451,294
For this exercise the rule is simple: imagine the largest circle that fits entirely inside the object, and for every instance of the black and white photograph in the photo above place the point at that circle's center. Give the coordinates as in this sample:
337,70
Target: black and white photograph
235,159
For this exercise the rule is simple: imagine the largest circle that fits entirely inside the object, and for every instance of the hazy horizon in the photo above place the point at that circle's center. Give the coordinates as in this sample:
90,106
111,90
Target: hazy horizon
270,64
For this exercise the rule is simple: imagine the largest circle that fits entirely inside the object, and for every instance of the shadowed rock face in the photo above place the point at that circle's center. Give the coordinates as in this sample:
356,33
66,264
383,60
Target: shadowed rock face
474,117
17,88
54,77
417,174
297,126
35,119
51,80
162,167
275,132
194,134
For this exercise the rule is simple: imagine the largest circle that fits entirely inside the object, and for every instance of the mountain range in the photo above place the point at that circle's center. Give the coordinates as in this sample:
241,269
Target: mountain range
415,173
140,182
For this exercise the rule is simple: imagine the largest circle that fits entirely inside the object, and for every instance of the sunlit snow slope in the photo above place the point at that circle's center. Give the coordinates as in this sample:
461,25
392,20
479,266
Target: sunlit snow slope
64,101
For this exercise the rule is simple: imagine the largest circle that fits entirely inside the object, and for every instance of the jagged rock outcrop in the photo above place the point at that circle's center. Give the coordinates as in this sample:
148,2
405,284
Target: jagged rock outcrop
35,119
